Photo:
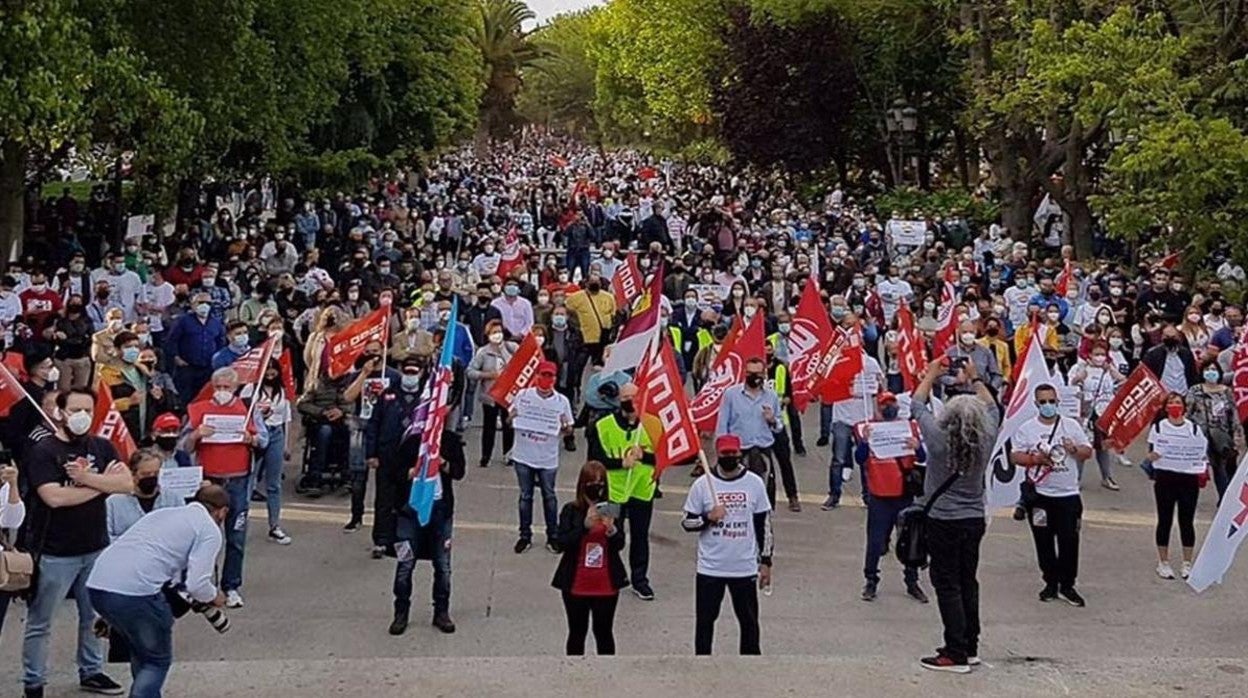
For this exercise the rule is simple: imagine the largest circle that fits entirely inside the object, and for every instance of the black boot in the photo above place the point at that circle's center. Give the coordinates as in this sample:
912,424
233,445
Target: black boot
399,625
442,621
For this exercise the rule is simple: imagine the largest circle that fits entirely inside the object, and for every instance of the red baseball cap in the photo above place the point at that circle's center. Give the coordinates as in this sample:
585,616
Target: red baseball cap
167,422
547,367
885,397
727,444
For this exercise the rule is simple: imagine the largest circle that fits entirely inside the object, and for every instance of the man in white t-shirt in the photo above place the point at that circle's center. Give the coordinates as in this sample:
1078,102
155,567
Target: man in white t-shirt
1051,449
545,417
859,407
893,291
728,508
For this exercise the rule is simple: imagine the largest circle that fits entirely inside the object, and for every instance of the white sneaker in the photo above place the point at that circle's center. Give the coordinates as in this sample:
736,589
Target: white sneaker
1164,570
974,660
277,535
1186,569
233,599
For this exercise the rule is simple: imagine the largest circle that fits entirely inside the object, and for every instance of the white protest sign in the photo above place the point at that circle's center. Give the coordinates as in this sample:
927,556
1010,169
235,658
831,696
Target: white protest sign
1069,402
227,428
1180,452
535,416
907,233
183,482
709,294
137,226
888,439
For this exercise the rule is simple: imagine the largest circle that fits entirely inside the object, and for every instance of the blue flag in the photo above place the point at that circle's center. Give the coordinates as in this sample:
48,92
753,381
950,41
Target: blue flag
435,407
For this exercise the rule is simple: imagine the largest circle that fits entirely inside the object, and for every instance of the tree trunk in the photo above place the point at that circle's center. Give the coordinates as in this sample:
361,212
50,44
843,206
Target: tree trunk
12,199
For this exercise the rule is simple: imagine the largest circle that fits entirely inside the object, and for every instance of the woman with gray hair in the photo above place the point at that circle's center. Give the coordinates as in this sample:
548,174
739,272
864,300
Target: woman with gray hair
959,444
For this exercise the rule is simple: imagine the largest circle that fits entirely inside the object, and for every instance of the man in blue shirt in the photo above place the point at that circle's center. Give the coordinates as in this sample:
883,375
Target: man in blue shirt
238,346
752,412
195,338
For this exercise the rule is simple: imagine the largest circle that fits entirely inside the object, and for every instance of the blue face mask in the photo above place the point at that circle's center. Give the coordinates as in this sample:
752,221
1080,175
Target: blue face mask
1048,410
240,342
130,354
560,321
1211,376
410,382
511,291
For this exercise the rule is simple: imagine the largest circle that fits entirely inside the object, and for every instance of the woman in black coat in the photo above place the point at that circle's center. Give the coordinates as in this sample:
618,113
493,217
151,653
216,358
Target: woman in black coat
590,573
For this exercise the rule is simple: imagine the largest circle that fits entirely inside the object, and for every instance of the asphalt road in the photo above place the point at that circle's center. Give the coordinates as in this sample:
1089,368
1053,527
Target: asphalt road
317,611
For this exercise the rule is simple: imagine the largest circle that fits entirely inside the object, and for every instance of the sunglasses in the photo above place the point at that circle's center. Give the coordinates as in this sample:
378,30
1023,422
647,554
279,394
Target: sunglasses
1046,402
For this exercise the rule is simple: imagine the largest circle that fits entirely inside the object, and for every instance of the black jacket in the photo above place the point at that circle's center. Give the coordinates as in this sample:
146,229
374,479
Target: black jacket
568,537
1155,360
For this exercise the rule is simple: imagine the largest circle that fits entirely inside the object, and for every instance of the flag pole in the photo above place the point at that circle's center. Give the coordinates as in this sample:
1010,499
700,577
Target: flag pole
635,440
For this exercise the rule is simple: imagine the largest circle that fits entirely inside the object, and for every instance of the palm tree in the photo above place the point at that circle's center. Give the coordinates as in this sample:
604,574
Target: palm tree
506,50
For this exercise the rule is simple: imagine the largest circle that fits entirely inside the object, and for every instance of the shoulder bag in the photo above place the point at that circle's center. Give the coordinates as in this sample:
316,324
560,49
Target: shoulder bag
17,568
912,528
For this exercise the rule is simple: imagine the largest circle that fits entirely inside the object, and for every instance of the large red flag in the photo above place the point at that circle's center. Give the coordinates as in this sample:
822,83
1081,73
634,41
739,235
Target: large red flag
633,343
109,424
248,367
911,351
628,284
947,323
1132,409
663,395
11,390
842,371
346,346
808,342
1239,373
1062,283
728,370
518,373
510,259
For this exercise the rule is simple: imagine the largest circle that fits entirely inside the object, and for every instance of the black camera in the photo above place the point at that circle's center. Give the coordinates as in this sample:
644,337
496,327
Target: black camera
215,616
180,603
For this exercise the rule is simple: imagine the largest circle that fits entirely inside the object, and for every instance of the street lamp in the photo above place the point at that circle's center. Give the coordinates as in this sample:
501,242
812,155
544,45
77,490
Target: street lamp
901,123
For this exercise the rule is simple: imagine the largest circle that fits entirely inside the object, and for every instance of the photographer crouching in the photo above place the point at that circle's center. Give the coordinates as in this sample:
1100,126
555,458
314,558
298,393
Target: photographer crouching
127,584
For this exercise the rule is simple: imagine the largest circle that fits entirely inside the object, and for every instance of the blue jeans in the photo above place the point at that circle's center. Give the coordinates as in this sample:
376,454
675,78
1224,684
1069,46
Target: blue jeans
57,577
437,534
271,463
322,436
528,477
238,489
825,421
881,517
842,456
146,622
578,258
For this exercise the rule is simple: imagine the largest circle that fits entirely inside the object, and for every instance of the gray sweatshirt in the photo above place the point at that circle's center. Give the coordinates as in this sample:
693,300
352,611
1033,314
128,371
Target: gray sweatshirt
965,498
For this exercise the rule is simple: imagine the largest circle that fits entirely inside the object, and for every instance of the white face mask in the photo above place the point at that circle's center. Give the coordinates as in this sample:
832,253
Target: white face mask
750,310
968,337
222,396
78,423
496,338
540,339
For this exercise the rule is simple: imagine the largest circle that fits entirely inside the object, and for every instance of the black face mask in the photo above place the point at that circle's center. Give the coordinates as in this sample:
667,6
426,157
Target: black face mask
890,412
147,485
364,358
1171,342
594,287
627,407
167,443
729,464
754,380
597,492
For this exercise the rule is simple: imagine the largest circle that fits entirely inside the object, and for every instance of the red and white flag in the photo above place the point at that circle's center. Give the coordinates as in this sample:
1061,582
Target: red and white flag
1132,409
518,373
663,395
109,424
11,390
249,370
628,284
1002,478
637,334
1062,283
728,370
946,322
346,346
911,349
809,340
1229,528
842,371
510,258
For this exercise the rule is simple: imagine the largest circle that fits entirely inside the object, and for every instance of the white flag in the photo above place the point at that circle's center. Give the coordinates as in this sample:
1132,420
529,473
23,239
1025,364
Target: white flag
1230,527
1002,478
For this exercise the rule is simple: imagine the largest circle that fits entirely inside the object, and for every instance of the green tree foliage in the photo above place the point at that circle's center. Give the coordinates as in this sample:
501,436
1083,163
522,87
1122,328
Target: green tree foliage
506,49
559,85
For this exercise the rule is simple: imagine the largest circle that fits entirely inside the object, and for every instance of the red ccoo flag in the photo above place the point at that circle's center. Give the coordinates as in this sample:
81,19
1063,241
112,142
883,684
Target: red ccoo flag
728,370
663,395
518,373
510,258
1239,373
346,346
911,351
109,424
1132,409
627,284
947,322
809,340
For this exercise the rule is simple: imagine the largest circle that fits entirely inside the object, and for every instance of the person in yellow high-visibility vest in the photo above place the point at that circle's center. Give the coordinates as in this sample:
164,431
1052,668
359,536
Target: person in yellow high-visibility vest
625,445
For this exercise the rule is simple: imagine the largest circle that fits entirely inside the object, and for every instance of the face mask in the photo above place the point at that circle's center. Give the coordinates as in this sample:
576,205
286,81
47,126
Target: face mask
130,354
544,382
594,287
39,288
1174,411
596,492
929,305
167,443
1054,317
968,337
1048,410
1211,376
222,396
559,321
1171,342
147,485
691,303
860,283
543,299
750,311
890,412
240,341
54,374
839,313
785,327
992,331
626,406
203,309
496,338
1115,342
1193,318
737,293
729,464
78,423
608,253
754,380
119,267
1020,283
1115,291
410,382
209,281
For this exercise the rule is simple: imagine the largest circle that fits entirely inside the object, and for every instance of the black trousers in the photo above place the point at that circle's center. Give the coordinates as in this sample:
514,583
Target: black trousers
580,609
795,425
1056,535
953,546
638,514
490,415
1172,489
709,596
784,459
385,499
